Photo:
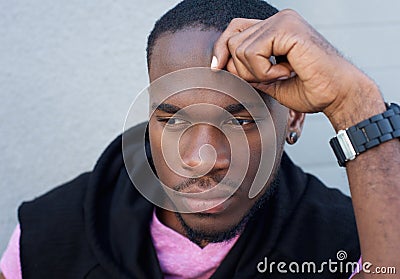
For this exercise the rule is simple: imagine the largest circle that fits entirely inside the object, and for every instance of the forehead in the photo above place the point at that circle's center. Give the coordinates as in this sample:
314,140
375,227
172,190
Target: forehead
187,48
182,49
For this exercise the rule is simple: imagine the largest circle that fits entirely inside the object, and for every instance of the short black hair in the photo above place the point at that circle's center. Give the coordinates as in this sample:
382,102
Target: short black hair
208,14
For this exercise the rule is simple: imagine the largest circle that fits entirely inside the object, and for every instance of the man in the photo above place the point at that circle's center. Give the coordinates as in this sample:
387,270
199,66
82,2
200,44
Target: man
100,226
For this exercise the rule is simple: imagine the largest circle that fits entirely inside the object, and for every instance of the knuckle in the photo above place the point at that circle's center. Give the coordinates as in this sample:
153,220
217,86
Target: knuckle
246,75
291,17
231,43
289,12
261,75
240,52
248,53
251,51
236,21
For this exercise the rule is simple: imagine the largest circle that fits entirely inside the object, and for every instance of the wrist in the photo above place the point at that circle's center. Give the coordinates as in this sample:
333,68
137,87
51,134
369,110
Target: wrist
357,103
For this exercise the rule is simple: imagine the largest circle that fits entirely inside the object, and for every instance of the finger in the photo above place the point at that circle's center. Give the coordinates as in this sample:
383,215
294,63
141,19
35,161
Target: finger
287,92
221,52
234,44
257,68
275,73
232,68
255,50
242,71
265,71
238,47
251,53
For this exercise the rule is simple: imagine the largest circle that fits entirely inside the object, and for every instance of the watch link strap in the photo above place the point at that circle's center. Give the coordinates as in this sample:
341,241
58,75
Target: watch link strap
366,134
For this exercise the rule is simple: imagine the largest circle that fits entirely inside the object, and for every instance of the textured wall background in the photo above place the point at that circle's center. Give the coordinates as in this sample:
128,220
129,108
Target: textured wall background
70,69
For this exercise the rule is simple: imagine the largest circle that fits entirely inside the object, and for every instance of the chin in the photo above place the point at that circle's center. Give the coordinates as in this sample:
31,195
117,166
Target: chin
213,227
212,233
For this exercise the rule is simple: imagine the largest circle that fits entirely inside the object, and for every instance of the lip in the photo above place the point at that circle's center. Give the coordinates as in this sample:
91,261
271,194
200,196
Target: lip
219,191
212,206
214,199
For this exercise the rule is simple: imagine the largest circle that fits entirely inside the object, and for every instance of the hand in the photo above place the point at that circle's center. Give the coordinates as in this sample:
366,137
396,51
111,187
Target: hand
315,77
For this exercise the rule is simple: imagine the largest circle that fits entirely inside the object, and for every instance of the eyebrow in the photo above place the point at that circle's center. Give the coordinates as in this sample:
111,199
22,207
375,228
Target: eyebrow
172,109
235,108
168,108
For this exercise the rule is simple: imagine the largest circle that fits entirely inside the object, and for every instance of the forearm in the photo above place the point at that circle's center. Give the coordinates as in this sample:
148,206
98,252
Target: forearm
375,187
374,178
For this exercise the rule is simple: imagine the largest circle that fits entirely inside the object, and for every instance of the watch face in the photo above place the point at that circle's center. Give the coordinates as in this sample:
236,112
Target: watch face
346,145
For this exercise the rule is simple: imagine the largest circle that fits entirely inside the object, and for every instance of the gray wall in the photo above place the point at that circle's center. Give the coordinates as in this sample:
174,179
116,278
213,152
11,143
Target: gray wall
69,71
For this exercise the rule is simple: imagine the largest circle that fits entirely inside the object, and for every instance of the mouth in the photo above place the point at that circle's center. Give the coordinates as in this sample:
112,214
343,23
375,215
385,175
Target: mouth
212,201
211,206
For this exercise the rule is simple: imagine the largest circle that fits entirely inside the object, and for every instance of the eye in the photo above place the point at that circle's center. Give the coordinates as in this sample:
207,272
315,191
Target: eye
176,121
172,121
239,121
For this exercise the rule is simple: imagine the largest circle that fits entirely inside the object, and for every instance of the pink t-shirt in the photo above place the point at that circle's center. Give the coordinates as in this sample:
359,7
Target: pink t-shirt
178,256
181,258
10,265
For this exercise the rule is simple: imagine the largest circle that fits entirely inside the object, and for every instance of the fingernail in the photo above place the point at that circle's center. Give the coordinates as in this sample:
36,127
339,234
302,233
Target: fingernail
282,78
214,62
272,59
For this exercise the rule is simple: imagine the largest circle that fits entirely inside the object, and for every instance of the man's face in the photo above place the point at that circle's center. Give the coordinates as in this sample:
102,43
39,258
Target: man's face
187,49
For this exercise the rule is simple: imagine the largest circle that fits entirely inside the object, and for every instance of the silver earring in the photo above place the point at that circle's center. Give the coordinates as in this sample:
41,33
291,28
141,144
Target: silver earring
292,138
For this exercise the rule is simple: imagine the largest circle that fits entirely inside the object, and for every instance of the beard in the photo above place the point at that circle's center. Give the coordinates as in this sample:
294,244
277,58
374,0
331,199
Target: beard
199,236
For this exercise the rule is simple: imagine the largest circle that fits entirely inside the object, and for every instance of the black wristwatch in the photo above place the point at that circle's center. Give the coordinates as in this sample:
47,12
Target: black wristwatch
367,134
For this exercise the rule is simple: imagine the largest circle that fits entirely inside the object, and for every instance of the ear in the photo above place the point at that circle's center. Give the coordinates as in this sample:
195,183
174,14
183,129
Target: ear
295,125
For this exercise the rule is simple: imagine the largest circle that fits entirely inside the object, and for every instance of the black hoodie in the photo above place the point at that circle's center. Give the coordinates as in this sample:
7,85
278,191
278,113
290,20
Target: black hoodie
97,226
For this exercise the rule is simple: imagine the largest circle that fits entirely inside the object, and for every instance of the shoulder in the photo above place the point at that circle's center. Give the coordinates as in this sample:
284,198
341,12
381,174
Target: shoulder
321,224
311,194
326,215
54,225
67,195
58,215
329,201
59,212
323,215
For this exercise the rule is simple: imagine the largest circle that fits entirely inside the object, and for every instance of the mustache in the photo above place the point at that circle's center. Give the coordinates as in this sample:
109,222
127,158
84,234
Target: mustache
205,182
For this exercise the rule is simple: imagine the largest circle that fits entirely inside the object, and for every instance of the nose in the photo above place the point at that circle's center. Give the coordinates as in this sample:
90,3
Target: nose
198,140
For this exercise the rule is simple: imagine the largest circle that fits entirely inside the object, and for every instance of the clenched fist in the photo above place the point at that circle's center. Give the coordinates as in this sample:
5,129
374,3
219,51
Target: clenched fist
312,77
